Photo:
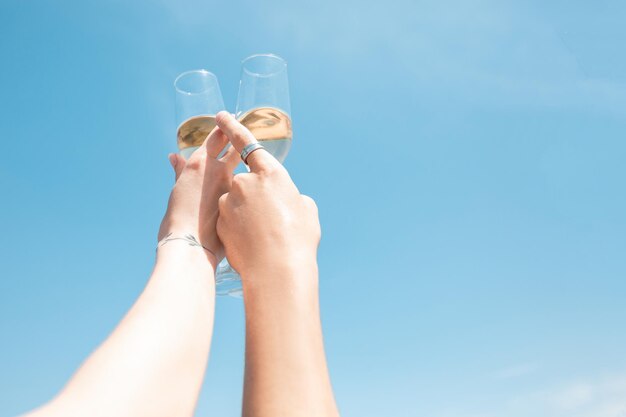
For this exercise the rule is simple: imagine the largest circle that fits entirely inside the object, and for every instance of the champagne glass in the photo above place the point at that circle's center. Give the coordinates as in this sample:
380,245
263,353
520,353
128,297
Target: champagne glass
263,102
198,100
263,107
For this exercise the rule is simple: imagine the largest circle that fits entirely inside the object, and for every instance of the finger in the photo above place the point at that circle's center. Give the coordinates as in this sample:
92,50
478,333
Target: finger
177,163
239,137
180,165
231,158
215,142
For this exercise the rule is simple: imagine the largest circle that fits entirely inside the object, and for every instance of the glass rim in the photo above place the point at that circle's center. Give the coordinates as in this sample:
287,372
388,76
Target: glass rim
186,73
259,74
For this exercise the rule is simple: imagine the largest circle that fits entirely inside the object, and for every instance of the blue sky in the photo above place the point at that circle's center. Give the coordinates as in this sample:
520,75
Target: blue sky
467,159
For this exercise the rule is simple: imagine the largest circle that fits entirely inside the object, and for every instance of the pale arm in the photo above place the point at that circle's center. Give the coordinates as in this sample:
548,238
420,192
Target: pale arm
154,361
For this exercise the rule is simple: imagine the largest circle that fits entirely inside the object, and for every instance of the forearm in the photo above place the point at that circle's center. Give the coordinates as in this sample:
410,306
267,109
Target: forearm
154,361
286,372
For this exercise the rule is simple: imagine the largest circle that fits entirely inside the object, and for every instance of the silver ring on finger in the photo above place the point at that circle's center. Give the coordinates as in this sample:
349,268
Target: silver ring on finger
248,149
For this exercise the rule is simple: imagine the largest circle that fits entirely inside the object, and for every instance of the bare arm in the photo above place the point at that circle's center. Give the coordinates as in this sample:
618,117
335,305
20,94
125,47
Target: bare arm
154,361
271,234
286,372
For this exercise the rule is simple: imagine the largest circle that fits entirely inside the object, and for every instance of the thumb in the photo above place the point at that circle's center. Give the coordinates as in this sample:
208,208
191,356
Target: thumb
177,163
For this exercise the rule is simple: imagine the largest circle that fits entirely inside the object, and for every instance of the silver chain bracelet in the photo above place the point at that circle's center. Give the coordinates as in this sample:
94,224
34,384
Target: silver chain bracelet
189,238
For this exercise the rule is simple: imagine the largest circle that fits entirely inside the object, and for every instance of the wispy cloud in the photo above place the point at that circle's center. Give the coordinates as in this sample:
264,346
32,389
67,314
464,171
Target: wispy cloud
603,396
573,397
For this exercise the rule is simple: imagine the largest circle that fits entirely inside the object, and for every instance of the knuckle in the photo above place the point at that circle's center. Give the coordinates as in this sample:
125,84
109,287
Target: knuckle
239,181
221,202
196,161
270,170
311,204
318,232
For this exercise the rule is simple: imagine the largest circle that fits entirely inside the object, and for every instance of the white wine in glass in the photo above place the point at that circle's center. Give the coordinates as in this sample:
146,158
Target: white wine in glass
192,133
271,127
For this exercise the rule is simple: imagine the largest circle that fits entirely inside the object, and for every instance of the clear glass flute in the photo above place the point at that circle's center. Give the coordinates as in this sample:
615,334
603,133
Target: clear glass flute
198,100
263,106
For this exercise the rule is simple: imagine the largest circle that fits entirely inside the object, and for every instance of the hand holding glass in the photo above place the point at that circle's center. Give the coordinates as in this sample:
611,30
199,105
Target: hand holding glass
262,106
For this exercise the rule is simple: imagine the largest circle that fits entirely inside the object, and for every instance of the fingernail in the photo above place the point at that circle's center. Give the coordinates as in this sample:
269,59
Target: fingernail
219,117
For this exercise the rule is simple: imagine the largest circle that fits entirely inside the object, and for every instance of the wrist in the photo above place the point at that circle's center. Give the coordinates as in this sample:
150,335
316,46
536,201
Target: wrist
279,297
180,249
299,277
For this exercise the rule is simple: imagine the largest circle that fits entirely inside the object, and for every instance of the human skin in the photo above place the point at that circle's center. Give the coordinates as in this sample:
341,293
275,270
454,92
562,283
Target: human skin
154,361
271,234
